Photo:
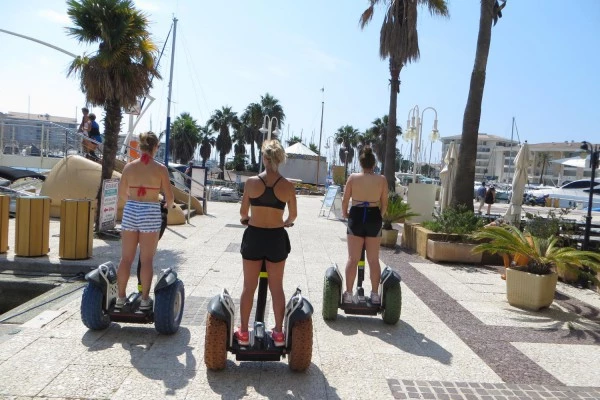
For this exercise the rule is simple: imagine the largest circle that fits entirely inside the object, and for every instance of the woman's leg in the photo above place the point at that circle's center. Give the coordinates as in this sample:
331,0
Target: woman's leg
148,245
129,242
489,208
251,272
372,245
275,271
355,245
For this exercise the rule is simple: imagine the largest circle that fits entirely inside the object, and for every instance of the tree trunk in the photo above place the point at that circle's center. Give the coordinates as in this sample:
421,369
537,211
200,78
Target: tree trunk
222,164
252,153
462,192
390,141
542,173
112,127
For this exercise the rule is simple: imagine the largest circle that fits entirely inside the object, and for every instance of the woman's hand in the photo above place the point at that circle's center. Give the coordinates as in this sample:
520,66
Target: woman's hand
245,220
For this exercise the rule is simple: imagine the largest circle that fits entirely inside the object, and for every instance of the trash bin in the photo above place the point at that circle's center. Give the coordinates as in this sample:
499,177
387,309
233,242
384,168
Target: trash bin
32,231
555,203
76,229
4,208
548,202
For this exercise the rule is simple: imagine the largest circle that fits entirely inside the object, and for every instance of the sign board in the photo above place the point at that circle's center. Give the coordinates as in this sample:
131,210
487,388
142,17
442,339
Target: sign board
198,187
332,202
108,204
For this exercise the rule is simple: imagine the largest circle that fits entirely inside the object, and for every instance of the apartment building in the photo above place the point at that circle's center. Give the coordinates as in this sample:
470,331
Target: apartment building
495,156
495,160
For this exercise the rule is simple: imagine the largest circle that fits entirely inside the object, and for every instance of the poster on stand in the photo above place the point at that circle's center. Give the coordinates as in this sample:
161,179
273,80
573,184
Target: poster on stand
108,204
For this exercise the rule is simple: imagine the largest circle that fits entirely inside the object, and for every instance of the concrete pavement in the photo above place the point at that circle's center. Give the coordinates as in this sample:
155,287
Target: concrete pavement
457,337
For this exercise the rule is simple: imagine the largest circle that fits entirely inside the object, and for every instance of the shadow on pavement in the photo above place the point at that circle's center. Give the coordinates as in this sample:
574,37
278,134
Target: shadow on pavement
402,336
273,380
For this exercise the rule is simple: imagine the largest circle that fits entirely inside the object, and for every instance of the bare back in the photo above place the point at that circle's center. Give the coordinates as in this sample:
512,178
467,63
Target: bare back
268,217
144,182
366,187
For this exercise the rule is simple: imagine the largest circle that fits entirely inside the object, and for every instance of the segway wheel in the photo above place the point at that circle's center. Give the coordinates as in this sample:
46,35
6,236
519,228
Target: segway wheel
331,299
393,304
92,314
168,309
300,355
215,343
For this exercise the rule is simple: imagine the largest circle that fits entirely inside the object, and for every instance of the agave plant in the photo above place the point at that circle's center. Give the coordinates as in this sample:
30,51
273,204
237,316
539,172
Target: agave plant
544,255
397,209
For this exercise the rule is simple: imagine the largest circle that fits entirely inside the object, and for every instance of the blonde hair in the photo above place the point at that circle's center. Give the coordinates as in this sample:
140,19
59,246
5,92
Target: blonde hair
148,141
273,152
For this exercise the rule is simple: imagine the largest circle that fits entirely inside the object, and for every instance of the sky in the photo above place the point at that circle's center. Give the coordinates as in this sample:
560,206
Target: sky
543,67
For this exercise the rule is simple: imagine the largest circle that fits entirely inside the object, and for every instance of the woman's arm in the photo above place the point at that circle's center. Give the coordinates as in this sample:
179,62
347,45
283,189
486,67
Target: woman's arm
383,200
165,184
292,206
245,207
124,186
347,196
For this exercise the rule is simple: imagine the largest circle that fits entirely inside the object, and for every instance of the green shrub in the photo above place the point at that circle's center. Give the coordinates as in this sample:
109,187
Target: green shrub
459,221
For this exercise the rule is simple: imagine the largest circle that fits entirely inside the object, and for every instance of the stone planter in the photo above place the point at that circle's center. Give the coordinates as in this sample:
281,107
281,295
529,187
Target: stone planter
409,232
568,275
530,291
456,252
389,237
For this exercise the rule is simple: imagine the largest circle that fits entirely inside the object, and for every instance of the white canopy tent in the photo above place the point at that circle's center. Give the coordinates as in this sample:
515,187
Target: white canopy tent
574,162
302,164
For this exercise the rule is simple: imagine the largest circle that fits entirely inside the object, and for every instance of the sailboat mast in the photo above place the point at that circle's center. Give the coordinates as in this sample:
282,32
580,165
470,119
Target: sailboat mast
168,131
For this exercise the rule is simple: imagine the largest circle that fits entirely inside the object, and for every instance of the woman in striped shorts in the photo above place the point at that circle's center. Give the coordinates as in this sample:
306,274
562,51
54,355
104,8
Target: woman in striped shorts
141,182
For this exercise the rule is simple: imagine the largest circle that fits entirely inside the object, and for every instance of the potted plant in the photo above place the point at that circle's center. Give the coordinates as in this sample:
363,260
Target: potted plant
451,238
397,211
532,285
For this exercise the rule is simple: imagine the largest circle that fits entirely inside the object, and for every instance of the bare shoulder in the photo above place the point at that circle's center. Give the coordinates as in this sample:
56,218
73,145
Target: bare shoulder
288,185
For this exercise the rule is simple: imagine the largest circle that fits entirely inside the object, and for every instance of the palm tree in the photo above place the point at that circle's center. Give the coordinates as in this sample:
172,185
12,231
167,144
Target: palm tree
293,140
270,107
185,137
221,121
207,142
347,136
252,120
543,161
462,192
120,71
239,149
314,148
399,42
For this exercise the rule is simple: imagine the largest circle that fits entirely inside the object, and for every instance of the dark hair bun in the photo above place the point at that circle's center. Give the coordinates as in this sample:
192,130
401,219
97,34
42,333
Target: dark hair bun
368,150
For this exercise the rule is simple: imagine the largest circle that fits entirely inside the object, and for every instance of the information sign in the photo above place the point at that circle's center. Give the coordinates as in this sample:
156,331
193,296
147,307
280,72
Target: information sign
108,204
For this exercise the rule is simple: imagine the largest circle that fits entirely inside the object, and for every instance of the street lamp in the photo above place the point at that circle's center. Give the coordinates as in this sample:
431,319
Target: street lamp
594,152
433,137
416,130
268,128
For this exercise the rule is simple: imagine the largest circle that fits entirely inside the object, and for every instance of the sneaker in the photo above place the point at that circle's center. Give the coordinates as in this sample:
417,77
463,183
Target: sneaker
278,338
347,298
146,305
243,338
120,302
375,298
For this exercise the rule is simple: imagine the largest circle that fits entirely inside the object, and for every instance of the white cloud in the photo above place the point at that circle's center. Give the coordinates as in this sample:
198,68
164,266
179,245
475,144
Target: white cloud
54,16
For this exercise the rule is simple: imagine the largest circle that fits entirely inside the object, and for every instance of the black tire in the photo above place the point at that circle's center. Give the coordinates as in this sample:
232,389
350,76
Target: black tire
331,299
300,355
168,308
93,315
393,304
215,343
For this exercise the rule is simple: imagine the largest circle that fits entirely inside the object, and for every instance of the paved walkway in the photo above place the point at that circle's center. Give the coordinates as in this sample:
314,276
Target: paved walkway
457,337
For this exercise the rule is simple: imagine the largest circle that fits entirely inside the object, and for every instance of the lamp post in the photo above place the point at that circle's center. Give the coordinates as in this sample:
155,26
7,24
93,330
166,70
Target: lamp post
594,152
267,128
433,137
414,126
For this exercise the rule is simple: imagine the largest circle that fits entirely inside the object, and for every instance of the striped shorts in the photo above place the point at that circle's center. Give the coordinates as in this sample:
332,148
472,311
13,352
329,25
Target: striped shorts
141,216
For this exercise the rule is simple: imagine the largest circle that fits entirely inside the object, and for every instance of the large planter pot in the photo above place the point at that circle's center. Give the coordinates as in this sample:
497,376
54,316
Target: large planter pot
409,235
457,252
530,291
389,237
569,275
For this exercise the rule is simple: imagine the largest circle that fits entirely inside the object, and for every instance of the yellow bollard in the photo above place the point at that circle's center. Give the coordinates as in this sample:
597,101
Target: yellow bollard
32,232
4,209
76,229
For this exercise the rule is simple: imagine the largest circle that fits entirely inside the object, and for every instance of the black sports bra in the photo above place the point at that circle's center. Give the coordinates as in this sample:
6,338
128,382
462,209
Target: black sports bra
268,198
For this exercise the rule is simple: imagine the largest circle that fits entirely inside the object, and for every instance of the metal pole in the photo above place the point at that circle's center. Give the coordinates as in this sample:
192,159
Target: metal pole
595,152
320,135
168,132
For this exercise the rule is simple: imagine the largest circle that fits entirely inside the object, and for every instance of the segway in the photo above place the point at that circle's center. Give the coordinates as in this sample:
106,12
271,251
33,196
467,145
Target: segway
297,325
100,295
389,291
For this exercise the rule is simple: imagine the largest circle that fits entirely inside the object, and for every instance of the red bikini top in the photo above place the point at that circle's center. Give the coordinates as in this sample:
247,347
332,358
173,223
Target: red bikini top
145,158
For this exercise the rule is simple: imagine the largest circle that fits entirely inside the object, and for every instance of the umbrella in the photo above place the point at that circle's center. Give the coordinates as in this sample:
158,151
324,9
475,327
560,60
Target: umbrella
513,214
447,176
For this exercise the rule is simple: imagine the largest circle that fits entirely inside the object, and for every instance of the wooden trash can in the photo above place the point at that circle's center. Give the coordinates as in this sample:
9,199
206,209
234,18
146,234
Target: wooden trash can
32,231
4,209
76,229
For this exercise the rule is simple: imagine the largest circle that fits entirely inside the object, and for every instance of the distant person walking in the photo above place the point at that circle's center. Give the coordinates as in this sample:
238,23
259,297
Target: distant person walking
481,190
490,198
84,128
94,134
